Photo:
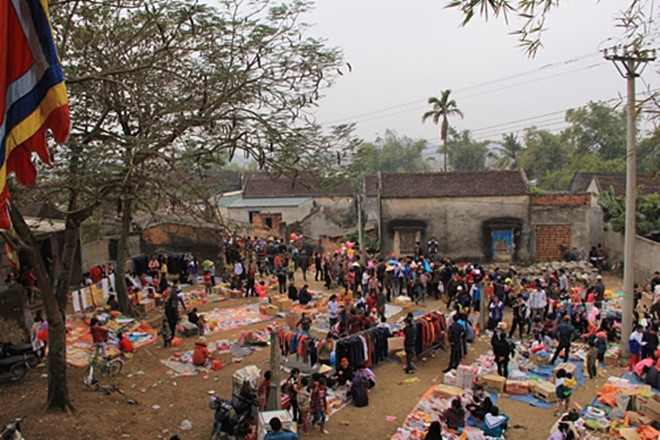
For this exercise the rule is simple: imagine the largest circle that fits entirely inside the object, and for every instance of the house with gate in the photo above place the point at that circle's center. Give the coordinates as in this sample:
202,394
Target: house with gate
487,215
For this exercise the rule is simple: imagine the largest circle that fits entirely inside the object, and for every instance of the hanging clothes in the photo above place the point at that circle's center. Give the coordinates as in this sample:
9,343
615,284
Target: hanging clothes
365,348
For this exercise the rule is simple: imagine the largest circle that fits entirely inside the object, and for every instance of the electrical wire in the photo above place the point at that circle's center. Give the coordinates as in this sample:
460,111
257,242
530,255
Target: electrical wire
464,89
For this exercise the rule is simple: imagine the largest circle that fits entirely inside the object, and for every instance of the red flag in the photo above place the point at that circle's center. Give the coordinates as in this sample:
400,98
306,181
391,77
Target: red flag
33,96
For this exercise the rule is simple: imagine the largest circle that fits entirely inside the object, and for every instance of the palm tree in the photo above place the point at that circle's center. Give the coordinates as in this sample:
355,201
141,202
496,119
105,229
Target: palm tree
442,107
509,151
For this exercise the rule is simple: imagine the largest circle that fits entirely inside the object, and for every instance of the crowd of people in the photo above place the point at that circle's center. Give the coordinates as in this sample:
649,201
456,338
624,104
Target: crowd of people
552,309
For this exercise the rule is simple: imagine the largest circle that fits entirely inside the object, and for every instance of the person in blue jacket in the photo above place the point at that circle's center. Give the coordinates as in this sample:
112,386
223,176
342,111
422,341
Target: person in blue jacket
278,433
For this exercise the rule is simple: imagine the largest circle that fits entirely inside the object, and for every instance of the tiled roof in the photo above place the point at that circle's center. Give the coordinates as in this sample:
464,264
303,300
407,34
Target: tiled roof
222,181
646,183
258,185
454,184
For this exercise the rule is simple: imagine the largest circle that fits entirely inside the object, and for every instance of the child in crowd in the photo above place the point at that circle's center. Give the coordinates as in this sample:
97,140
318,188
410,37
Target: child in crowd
264,390
208,283
166,332
318,401
124,344
592,356
636,343
564,384
99,336
201,353
601,345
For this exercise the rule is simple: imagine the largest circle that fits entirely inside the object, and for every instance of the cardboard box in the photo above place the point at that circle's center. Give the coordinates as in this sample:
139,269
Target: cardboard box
569,367
395,343
285,305
401,355
269,310
638,419
450,378
540,360
545,391
493,383
443,391
653,408
517,387
235,294
640,401
611,361
465,375
146,305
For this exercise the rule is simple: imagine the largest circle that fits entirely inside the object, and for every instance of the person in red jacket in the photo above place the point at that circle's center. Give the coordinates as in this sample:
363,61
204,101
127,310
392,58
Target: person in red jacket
124,345
99,336
201,353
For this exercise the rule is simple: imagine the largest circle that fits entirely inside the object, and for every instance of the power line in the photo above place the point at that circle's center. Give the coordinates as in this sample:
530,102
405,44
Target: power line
529,121
533,81
464,89
483,93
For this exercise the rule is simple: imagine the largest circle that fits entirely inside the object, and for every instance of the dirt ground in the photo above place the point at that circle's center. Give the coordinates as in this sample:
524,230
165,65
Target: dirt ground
98,416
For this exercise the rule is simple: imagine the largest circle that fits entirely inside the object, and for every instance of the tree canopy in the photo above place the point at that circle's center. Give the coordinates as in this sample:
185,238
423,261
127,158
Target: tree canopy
466,154
158,90
389,153
594,141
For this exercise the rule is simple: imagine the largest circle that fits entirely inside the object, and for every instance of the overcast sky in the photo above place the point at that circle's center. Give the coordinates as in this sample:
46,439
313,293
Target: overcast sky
404,51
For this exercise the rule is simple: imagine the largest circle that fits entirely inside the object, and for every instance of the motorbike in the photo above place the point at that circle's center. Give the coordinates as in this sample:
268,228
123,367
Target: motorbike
13,368
13,430
234,418
32,358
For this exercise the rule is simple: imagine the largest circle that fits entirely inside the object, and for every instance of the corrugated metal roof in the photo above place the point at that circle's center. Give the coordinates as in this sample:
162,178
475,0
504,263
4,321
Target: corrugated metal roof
227,201
240,202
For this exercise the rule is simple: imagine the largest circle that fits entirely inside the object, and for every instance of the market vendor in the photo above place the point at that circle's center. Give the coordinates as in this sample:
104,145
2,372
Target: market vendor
454,416
201,352
494,423
366,374
304,324
325,350
112,303
344,372
304,297
124,344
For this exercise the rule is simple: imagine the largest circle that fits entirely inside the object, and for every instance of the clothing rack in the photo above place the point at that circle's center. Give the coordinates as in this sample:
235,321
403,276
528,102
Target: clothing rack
368,346
367,330
438,341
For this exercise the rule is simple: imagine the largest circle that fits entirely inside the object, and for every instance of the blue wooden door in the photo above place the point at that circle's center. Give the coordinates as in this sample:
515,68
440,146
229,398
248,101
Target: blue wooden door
502,243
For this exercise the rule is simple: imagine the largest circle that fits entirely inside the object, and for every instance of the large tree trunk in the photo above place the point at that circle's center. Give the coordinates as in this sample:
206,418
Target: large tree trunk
71,238
58,392
122,255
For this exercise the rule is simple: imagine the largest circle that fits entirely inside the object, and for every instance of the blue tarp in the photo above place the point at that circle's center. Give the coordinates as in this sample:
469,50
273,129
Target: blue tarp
545,372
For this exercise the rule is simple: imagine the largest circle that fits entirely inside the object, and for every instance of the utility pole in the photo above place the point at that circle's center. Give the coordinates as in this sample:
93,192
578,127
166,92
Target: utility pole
274,403
630,65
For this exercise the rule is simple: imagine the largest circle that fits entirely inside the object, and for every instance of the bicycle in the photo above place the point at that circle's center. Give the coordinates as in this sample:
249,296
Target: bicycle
96,367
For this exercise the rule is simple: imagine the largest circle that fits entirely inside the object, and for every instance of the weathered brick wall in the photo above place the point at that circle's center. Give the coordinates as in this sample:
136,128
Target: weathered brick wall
561,200
548,240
